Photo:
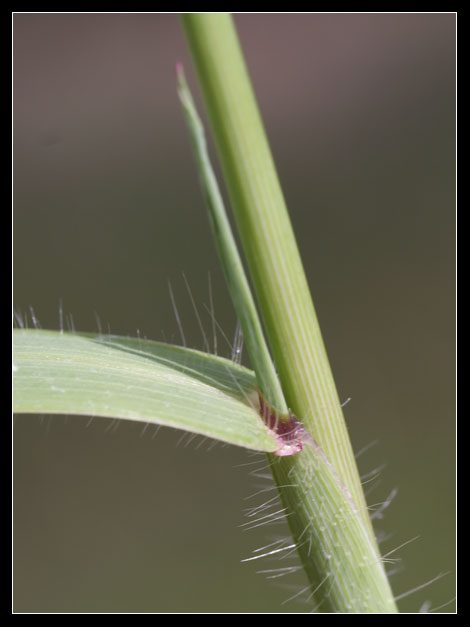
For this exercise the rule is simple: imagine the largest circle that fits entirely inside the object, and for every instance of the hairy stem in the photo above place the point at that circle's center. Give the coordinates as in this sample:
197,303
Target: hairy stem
327,510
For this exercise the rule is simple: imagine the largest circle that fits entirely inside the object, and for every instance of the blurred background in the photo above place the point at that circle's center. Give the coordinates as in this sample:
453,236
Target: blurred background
360,113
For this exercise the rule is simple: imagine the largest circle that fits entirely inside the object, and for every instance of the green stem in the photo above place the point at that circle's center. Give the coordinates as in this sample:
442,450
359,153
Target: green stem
237,282
268,240
327,510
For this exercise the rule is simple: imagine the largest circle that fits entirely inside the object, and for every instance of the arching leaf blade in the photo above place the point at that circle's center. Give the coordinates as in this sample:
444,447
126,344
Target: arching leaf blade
135,379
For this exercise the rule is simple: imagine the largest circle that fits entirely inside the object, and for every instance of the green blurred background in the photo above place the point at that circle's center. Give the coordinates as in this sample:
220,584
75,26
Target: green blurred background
360,112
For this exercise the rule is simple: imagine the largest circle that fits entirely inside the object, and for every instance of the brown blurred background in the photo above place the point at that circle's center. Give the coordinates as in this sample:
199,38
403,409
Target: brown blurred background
360,112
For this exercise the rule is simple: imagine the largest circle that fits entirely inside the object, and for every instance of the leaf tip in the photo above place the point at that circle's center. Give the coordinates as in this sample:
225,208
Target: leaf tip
179,69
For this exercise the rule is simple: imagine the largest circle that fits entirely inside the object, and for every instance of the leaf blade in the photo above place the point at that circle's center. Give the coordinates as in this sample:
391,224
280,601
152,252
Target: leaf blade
139,380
